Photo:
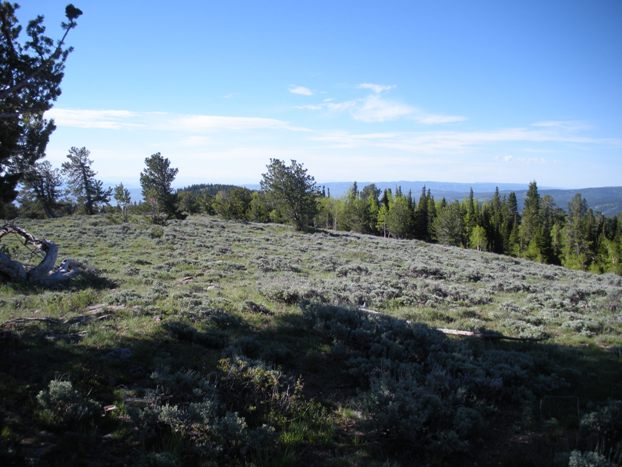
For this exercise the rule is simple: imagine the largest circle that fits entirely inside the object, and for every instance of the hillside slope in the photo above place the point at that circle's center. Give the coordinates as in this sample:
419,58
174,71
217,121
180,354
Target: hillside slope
244,343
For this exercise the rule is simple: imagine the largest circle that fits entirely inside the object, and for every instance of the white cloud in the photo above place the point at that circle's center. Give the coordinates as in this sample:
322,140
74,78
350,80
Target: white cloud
330,105
457,142
300,90
217,122
376,109
438,119
509,159
161,121
564,125
376,88
84,118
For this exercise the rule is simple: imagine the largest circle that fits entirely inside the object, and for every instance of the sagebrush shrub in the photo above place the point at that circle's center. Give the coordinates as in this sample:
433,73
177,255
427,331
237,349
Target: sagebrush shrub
60,405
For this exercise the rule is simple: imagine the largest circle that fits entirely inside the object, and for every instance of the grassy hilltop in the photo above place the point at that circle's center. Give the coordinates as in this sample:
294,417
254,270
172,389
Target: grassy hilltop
206,342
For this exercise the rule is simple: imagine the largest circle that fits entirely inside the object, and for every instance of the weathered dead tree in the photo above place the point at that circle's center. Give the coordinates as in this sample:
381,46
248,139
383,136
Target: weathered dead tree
46,273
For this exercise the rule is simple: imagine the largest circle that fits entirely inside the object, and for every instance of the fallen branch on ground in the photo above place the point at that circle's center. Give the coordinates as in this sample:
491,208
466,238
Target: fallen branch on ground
491,335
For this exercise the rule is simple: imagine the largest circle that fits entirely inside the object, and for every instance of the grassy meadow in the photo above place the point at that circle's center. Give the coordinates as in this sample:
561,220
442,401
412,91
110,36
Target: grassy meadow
207,342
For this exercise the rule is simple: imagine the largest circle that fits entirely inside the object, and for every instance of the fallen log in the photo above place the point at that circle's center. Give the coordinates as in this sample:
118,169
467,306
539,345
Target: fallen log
490,335
45,273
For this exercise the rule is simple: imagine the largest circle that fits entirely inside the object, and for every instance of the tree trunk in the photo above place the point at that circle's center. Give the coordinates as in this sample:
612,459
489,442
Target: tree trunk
42,274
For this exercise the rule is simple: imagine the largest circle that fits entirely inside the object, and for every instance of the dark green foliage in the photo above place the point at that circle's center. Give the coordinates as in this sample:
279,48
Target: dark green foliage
426,397
399,218
292,191
31,71
42,188
602,430
88,191
449,228
233,203
156,181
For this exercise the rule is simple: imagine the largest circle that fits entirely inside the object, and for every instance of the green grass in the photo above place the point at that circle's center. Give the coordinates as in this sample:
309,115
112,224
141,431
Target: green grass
177,298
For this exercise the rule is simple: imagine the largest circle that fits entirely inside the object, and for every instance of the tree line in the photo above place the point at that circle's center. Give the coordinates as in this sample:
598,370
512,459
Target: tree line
577,238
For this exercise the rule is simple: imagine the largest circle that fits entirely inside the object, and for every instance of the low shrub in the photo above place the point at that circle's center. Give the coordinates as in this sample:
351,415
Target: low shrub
60,405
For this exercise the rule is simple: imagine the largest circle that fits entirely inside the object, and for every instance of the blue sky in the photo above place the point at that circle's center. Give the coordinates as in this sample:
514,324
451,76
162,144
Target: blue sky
477,91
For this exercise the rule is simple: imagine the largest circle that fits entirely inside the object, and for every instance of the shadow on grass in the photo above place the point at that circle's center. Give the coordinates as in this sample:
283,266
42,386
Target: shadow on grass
120,369
88,280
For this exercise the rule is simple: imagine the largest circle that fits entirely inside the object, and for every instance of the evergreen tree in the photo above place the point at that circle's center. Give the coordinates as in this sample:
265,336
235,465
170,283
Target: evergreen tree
576,252
449,225
293,192
355,213
422,217
470,220
42,185
495,223
431,215
259,209
31,72
399,218
551,216
383,211
156,181
89,191
233,203
530,231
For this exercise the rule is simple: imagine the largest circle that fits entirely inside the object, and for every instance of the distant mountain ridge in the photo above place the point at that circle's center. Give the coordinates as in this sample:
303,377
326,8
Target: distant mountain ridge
607,200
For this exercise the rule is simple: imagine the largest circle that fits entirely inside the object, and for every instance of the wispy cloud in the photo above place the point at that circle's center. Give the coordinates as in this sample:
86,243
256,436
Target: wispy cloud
330,105
564,125
376,109
217,122
510,159
458,142
438,119
376,88
162,121
300,90
103,119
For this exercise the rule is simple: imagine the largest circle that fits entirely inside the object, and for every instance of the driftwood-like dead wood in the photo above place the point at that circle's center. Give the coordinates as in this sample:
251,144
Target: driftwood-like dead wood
490,335
45,273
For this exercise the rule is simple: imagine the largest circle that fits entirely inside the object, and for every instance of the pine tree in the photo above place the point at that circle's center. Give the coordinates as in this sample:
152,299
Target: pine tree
42,184
31,71
431,215
399,218
156,181
449,225
293,192
530,232
88,191
576,254
422,217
